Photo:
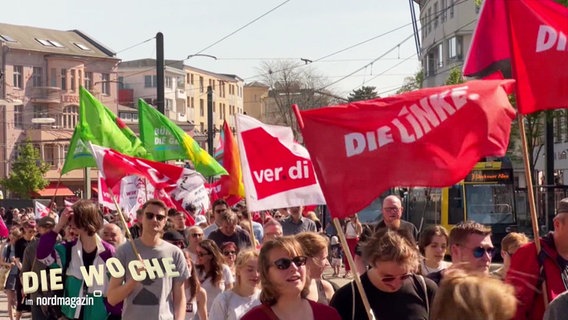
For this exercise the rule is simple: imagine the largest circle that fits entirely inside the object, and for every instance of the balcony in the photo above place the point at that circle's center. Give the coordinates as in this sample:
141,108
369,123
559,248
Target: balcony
180,94
45,95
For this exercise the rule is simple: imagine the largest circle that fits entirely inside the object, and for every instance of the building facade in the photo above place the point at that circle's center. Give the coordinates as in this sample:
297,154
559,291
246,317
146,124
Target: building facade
255,100
41,71
185,95
446,32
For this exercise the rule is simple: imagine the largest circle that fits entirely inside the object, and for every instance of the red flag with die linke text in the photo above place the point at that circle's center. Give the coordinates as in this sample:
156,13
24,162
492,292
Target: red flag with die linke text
430,137
532,36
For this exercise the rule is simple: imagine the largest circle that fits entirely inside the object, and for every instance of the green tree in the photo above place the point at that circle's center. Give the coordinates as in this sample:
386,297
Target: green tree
455,76
363,93
412,83
26,175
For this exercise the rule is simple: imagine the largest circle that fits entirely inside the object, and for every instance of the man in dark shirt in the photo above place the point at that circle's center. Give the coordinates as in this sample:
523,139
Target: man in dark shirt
392,214
228,232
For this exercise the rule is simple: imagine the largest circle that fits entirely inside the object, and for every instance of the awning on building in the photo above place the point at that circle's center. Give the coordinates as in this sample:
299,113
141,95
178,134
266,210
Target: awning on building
49,191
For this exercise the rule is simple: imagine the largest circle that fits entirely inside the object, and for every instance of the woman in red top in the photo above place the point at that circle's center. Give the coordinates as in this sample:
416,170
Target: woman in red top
282,265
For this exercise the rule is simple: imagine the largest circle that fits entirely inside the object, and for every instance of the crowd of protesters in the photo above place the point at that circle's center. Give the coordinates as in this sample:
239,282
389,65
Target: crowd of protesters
232,264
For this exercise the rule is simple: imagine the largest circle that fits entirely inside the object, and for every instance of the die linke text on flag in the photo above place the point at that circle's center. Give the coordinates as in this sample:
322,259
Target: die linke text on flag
176,186
277,172
430,137
532,35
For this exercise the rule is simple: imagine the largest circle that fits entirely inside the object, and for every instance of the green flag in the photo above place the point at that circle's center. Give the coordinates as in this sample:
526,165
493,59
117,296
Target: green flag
102,127
78,156
167,141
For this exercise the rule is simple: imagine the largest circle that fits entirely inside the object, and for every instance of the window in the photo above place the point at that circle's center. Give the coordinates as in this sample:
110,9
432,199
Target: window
72,79
201,84
53,77
81,46
7,38
201,108
436,13
36,77
440,56
150,81
18,77
49,43
44,42
192,105
19,116
191,78
105,83
88,80
452,3
49,153
70,117
56,44
169,104
201,127
40,111
80,77
121,84
429,20
444,12
63,79
430,64
169,83
455,48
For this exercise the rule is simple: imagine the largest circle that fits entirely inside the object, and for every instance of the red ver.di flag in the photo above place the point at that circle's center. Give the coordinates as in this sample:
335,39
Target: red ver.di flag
277,172
430,137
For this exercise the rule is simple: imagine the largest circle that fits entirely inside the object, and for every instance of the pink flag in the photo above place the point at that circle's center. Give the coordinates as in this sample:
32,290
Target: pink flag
277,172
3,229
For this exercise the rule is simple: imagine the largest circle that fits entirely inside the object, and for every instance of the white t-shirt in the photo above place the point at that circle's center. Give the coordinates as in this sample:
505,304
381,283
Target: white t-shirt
191,306
427,270
213,291
230,306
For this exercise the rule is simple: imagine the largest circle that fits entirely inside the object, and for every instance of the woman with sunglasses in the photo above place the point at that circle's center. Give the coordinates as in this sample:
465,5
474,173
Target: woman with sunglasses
393,290
215,276
233,304
230,252
195,295
282,265
315,247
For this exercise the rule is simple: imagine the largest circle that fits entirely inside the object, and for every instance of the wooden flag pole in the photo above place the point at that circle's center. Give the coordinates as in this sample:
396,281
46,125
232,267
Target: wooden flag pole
530,191
342,239
351,262
123,220
54,194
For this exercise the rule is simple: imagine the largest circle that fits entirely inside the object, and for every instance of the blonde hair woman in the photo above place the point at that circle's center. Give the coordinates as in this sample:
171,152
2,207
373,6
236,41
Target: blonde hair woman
234,303
473,296
282,265
315,246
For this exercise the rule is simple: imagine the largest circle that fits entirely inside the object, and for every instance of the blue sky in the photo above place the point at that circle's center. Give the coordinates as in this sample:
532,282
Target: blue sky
308,29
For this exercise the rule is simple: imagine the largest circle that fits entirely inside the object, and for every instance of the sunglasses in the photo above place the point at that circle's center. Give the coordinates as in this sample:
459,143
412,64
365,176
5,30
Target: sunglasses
228,253
391,278
481,251
197,235
285,263
159,217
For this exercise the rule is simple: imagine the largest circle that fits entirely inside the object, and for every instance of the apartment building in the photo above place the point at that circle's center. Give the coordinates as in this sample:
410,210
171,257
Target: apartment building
41,71
446,31
185,95
255,100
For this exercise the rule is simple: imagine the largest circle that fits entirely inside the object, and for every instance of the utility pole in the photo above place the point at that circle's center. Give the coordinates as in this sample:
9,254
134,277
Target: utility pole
160,76
210,129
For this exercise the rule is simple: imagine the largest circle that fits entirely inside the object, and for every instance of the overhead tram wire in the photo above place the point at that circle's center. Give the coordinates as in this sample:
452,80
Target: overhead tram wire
214,43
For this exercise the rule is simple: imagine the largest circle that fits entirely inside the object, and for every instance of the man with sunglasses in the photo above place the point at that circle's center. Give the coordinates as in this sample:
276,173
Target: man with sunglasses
158,298
471,249
529,270
219,206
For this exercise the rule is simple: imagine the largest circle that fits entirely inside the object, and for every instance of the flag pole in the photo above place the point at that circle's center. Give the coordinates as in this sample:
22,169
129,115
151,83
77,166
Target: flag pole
123,220
343,240
524,145
54,194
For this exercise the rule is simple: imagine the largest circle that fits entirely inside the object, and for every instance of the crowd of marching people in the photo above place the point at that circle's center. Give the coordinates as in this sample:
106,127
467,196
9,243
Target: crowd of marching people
231,264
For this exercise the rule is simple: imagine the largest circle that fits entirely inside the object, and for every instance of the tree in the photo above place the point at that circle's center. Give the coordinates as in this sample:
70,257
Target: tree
27,172
412,83
293,83
455,76
363,93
